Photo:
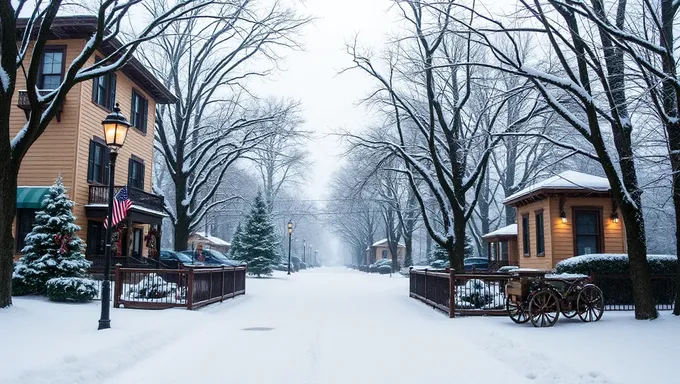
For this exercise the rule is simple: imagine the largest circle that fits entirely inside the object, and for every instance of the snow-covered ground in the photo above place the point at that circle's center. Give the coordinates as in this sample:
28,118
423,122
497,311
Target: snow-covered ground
325,326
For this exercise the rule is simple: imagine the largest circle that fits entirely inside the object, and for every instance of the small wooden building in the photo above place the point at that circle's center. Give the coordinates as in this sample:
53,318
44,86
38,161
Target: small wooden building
208,242
381,250
566,215
502,247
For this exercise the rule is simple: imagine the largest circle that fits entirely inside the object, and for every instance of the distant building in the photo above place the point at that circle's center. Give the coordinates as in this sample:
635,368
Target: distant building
380,250
208,242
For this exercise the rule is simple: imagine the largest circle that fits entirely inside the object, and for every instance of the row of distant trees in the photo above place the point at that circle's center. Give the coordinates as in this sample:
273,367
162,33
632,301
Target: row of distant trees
476,106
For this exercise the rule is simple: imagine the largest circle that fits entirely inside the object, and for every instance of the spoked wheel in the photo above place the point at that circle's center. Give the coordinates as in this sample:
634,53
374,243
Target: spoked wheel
516,311
590,303
569,311
544,308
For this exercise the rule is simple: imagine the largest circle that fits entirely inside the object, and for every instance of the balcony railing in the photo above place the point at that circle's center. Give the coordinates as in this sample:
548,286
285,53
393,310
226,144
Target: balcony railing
99,194
25,104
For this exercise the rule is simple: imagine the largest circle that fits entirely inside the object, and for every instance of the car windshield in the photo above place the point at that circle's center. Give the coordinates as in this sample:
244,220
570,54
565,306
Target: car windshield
475,260
218,255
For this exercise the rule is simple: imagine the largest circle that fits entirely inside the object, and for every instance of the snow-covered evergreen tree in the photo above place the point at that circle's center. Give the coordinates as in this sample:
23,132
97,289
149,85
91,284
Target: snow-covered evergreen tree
53,249
469,248
258,241
236,249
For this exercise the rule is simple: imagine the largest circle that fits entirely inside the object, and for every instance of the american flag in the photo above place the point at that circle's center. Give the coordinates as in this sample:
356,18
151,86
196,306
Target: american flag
121,204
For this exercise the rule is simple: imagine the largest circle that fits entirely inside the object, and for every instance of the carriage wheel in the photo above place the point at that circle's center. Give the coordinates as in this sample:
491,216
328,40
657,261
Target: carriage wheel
516,311
544,308
590,303
570,310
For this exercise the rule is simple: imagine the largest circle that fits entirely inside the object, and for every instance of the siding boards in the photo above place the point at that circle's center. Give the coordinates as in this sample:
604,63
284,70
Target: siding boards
534,261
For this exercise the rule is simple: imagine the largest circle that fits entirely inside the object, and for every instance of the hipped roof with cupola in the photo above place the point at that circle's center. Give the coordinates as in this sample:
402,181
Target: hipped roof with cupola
568,183
82,27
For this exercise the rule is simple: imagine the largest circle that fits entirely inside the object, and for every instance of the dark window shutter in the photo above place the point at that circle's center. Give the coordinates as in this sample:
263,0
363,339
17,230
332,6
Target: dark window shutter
90,162
142,169
132,109
95,86
112,90
145,114
130,179
106,151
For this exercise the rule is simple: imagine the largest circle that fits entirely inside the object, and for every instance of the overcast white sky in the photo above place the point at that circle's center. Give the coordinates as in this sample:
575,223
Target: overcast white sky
330,101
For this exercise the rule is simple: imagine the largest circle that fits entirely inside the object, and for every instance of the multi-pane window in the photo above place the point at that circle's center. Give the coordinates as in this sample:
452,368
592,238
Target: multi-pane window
587,232
525,235
25,221
139,111
136,174
98,163
104,90
540,236
384,253
51,68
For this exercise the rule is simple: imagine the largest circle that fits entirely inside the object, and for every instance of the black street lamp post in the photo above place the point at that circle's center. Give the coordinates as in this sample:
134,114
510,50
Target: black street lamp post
290,236
115,131
304,251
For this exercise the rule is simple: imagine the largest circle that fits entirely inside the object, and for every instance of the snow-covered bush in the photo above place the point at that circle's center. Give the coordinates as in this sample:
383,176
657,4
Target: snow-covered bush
611,271
153,286
476,293
614,264
384,269
71,289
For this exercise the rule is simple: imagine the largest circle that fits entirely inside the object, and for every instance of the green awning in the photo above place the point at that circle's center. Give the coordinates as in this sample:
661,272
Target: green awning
31,197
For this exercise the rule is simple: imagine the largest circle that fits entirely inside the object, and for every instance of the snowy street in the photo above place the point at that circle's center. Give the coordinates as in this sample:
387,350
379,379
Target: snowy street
328,325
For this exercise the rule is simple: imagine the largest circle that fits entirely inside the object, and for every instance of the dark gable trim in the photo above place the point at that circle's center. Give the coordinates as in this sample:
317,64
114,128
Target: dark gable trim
82,27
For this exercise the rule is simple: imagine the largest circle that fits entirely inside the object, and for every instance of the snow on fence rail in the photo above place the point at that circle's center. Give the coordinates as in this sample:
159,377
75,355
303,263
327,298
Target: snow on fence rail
473,294
190,288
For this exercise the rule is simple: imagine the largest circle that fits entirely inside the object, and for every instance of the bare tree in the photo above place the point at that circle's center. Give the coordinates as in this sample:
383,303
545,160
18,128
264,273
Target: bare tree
441,159
216,121
281,158
23,43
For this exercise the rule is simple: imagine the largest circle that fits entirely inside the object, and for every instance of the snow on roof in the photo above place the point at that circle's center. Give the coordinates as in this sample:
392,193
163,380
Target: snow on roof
213,239
383,242
565,180
510,230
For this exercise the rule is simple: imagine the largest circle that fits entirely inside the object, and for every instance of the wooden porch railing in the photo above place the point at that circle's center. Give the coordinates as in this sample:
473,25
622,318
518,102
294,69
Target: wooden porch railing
167,288
99,194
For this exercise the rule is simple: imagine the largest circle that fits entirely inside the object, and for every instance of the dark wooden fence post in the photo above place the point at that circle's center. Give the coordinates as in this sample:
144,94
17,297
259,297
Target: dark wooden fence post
425,285
190,289
117,286
222,297
452,293
234,280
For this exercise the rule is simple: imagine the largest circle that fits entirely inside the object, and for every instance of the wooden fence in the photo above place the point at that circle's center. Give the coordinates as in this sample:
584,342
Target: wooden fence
190,288
483,294
460,294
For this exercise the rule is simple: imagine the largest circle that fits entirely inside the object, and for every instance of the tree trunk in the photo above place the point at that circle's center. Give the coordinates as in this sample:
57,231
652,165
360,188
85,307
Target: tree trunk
456,258
645,305
8,201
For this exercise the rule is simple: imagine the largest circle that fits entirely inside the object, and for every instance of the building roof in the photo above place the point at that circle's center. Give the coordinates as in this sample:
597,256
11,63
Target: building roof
213,239
82,27
384,242
568,181
510,230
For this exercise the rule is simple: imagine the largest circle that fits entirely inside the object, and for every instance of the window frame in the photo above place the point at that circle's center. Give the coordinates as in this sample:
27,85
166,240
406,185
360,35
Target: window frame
540,232
19,242
51,49
526,235
145,113
600,227
134,159
104,158
110,90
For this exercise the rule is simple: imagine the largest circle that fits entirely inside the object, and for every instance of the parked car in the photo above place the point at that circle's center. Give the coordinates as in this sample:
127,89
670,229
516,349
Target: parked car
373,268
213,258
440,264
475,263
507,269
174,260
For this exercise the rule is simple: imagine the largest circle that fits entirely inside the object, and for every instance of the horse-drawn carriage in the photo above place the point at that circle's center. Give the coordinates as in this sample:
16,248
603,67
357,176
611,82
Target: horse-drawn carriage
541,298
